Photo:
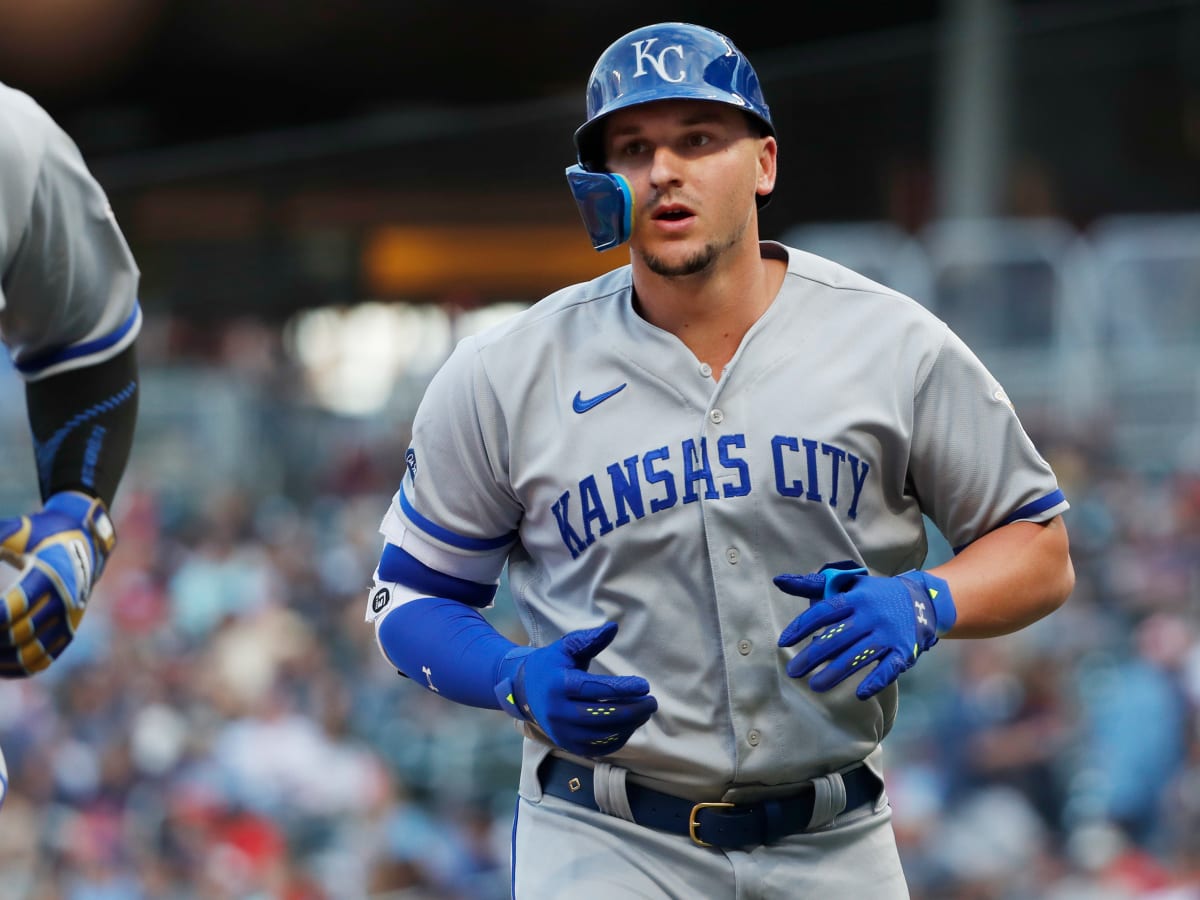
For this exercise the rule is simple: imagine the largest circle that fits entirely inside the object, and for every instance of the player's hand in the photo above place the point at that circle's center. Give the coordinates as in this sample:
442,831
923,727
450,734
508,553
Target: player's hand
587,714
857,621
61,552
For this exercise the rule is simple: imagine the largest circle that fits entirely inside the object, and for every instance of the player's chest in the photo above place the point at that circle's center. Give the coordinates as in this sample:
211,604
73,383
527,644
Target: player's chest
671,410
633,452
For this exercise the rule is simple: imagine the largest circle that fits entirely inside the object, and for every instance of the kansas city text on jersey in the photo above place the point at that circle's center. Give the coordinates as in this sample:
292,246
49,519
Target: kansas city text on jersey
656,480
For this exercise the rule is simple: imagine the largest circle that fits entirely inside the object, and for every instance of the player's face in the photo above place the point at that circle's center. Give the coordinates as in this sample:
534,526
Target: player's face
695,168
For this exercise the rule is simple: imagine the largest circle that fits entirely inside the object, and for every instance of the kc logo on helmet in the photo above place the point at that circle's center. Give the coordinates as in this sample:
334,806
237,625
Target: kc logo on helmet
642,53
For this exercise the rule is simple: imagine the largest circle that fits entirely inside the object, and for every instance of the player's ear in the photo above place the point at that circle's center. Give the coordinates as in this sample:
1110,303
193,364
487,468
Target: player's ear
768,151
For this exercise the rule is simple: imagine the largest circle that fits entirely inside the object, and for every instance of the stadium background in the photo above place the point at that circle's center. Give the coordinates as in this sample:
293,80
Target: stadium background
324,195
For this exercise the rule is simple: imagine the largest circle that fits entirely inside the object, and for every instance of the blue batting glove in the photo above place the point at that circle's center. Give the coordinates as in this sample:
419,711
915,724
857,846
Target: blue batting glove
858,620
61,552
586,714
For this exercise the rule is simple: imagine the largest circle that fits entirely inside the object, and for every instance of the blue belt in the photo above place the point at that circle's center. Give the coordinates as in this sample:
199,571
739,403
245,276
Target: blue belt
718,824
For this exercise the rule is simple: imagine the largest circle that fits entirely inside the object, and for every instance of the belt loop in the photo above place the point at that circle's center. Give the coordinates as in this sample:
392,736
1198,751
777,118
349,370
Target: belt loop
829,801
775,825
609,784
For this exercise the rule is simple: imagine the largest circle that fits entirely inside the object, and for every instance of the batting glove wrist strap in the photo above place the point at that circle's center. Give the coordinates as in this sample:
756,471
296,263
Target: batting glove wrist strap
862,625
932,601
92,517
510,690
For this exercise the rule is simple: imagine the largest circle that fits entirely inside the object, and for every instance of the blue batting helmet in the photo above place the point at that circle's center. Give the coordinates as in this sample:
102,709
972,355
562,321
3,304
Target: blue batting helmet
669,61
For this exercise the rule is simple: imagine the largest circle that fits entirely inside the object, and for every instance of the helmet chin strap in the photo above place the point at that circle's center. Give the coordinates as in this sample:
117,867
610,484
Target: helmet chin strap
606,204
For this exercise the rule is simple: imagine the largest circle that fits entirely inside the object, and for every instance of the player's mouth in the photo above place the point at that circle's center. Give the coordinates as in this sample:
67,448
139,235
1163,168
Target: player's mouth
672,216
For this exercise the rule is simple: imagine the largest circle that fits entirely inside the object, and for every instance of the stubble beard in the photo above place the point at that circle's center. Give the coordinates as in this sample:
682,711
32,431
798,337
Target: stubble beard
698,262
693,265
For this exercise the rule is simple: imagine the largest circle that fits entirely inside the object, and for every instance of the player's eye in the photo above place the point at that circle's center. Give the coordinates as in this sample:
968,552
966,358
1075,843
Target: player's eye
632,148
701,141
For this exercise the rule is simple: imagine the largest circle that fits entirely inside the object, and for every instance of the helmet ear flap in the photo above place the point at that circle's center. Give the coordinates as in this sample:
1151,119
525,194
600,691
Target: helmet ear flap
605,202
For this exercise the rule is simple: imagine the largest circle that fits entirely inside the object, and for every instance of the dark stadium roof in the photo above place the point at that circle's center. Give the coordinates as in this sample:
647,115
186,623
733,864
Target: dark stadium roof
136,73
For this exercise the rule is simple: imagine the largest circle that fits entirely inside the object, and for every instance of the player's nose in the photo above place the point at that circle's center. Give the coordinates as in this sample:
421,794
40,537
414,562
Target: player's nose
665,169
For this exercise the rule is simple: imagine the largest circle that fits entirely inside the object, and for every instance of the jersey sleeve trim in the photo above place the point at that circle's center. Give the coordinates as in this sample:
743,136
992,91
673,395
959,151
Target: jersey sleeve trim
401,567
1036,511
481,568
88,353
1029,510
449,537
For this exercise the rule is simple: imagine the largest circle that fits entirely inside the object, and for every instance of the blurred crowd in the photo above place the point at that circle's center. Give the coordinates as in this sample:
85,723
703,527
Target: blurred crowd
224,726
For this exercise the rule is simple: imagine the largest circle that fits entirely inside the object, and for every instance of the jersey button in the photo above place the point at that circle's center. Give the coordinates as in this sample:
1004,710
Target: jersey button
716,417
753,738
733,556
744,647
705,370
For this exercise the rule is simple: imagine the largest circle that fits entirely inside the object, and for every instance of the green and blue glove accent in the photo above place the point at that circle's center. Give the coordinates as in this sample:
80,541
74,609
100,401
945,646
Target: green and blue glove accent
858,621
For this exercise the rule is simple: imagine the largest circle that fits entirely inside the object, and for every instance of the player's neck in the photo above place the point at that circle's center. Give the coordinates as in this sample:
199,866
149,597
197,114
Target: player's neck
710,311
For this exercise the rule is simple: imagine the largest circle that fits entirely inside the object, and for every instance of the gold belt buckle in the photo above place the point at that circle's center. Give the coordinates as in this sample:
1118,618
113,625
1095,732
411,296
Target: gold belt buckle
693,824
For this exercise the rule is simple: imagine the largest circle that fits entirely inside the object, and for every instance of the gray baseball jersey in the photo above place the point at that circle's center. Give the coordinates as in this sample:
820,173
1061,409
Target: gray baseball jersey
596,455
68,292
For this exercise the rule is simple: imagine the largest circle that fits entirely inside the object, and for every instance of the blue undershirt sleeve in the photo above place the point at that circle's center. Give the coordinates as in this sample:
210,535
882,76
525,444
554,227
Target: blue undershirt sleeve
449,648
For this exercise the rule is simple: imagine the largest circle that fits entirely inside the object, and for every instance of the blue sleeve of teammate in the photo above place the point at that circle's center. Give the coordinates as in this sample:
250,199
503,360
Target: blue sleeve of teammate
448,647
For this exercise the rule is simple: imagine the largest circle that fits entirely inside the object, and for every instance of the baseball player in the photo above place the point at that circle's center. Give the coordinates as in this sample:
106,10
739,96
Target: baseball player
706,472
69,317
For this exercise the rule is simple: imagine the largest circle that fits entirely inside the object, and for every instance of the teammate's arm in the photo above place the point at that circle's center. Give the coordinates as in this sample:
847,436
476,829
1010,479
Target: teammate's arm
447,646
69,321
1009,578
82,423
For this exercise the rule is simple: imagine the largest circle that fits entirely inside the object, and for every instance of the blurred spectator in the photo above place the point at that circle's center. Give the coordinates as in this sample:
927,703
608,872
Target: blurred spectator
1008,725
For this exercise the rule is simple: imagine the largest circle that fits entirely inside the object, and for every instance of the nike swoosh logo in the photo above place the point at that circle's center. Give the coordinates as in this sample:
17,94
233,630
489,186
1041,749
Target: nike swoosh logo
581,406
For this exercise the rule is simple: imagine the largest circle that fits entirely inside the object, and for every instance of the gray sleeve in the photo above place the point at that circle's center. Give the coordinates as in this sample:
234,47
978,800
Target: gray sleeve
973,466
458,458
69,289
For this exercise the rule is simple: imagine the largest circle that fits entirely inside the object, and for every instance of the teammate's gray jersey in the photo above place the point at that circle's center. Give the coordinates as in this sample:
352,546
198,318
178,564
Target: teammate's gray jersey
595,453
68,282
